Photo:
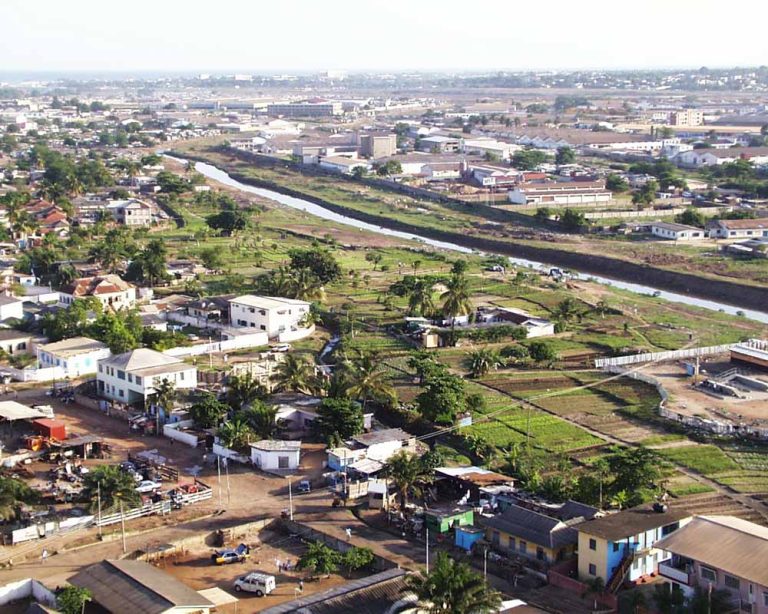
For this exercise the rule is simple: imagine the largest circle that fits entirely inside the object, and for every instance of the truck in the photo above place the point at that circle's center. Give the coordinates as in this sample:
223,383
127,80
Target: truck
259,584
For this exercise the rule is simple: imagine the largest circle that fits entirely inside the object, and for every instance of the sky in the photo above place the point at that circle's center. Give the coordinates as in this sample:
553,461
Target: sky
378,35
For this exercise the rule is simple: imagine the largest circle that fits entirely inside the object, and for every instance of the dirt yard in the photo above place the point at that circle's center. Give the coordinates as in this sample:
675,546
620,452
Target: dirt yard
268,550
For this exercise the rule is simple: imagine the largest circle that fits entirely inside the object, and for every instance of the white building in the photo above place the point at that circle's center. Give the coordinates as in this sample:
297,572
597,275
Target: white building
698,158
534,327
272,315
11,307
738,229
560,193
382,445
77,356
131,377
131,212
486,146
276,454
677,232
342,164
110,290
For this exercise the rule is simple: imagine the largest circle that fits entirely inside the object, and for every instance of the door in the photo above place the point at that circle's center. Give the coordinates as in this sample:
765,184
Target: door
495,538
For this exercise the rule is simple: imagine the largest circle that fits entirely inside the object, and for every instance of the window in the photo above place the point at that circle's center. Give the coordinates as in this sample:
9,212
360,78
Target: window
121,375
709,574
511,543
592,569
523,547
282,462
765,598
615,546
732,582
120,392
138,380
130,378
592,544
181,375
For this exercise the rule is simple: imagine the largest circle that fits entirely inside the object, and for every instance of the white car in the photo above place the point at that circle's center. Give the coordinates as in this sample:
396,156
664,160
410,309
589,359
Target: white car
283,347
259,584
148,486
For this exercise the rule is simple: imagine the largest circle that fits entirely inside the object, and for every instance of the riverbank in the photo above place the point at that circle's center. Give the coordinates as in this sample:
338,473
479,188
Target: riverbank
684,283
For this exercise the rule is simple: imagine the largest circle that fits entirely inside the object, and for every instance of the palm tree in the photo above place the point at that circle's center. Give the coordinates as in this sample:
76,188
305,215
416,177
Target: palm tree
295,373
164,395
567,310
235,434
261,419
368,381
242,390
620,499
420,299
112,485
457,302
601,308
307,287
482,361
452,587
408,475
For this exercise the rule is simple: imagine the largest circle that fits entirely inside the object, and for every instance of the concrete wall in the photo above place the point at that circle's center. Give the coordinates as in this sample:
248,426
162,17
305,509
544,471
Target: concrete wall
172,431
24,589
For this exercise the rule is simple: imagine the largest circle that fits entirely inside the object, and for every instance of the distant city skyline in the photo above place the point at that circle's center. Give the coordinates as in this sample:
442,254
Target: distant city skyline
298,35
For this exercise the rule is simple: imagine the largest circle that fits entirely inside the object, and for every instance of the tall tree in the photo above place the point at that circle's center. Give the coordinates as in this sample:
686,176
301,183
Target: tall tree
208,411
421,300
242,390
235,434
295,373
408,474
113,485
452,587
482,361
368,380
165,394
456,298
338,419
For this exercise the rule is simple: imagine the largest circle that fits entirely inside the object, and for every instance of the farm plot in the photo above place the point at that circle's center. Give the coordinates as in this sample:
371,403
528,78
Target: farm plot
745,481
705,459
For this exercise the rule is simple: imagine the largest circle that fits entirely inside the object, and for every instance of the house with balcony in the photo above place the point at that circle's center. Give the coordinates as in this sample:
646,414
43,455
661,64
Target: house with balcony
721,552
110,290
623,546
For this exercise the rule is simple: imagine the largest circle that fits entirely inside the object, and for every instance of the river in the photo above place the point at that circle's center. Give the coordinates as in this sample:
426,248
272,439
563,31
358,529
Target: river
222,177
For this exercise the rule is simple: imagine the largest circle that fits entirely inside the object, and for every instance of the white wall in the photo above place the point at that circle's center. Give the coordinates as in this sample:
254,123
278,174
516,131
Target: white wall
269,459
22,589
172,431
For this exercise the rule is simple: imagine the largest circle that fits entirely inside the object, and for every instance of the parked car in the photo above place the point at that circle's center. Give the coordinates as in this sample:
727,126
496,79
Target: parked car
259,584
283,347
148,486
304,486
225,557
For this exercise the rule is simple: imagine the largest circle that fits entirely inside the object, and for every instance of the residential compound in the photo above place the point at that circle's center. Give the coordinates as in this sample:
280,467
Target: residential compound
132,377
719,552
272,315
110,290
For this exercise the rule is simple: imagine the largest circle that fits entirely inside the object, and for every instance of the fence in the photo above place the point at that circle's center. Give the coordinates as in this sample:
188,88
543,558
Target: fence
602,363
174,431
33,374
558,576
51,527
241,342
26,589
642,377
161,507
146,462
601,215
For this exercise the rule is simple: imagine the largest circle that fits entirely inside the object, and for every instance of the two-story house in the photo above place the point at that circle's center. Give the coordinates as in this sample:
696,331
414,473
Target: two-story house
622,546
721,552
131,212
131,377
111,291
272,315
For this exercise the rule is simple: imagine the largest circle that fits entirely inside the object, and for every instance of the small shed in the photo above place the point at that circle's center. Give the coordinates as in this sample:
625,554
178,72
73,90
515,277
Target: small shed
381,495
443,520
48,427
276,454
466,537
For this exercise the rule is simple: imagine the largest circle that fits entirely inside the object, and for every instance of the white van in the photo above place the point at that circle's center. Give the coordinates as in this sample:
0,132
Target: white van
259,583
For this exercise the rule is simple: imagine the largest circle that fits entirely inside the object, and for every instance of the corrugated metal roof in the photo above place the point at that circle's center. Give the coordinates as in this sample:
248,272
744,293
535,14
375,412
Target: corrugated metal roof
731,544
136,587
371,595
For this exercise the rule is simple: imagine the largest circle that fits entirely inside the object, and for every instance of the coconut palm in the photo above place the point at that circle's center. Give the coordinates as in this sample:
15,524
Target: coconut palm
456,299
235,434
408,475
165,394
294,373
482,361
367,381
307,287
262,419
421,299
567,310
112,485
242,390
452,587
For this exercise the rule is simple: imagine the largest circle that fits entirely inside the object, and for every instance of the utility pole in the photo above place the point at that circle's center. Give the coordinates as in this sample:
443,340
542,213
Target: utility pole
427,540
290,498
218,469
98,502
226,474
122,525
485,564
